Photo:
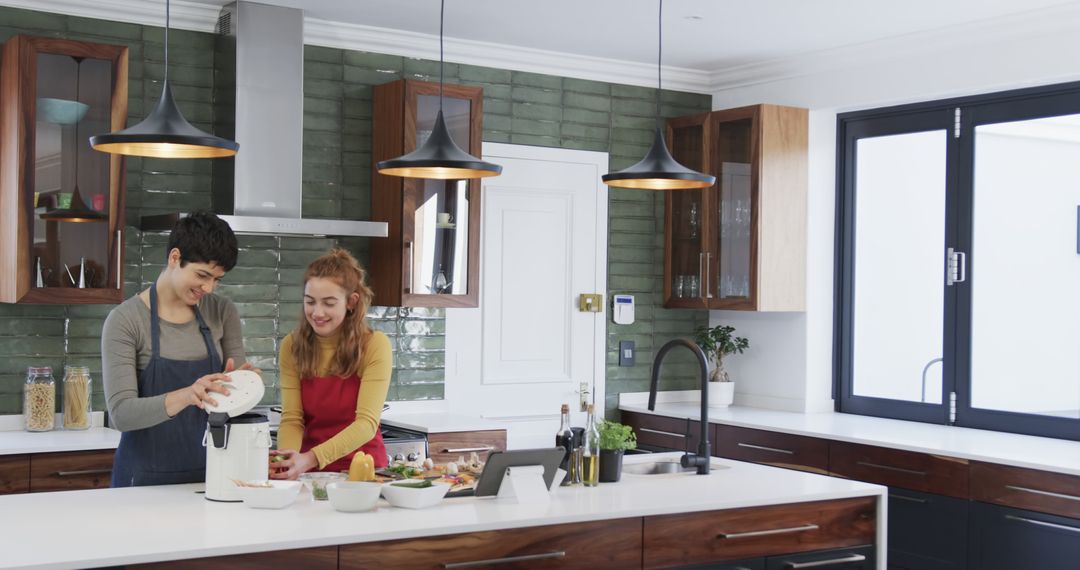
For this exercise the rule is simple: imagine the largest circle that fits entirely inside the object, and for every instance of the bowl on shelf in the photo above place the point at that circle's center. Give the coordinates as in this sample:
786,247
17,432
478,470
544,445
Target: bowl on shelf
353,496
413,494
60,111
317,481
268,494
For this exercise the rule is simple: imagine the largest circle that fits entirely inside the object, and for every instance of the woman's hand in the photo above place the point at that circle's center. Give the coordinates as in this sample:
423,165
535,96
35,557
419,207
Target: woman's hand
198,394
293,464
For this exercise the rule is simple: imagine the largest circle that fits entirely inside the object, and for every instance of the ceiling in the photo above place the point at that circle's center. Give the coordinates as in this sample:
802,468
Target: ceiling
702,35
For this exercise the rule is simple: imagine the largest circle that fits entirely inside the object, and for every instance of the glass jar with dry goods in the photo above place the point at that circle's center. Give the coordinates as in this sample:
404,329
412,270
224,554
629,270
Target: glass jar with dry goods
39,399
76,397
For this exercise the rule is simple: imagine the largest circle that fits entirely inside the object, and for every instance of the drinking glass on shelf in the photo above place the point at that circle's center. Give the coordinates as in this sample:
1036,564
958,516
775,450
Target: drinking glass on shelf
678,288
693,285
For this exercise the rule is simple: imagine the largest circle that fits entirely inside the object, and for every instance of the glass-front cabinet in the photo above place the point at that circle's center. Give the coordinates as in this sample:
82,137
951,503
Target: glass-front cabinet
61,203
740,244
431,256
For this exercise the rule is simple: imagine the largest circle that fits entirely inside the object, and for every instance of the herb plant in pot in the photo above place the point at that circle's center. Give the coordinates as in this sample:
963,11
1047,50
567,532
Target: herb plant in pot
615,438
718,342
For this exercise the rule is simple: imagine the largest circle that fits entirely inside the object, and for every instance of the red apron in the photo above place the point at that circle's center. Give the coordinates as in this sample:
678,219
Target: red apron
329,407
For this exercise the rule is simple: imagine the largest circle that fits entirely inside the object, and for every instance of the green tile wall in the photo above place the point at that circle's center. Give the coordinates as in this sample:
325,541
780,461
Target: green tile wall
519,108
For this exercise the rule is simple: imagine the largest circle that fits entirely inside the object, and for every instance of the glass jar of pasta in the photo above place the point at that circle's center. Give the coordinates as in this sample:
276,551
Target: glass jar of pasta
76,397
39,399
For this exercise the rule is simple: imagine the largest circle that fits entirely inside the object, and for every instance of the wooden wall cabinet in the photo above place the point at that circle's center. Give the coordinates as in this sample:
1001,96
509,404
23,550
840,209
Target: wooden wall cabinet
61,202
740,244
431,257
61,471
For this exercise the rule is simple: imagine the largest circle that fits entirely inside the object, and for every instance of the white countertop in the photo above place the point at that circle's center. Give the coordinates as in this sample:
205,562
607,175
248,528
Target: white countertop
15,440
439,422
1047,454
146,524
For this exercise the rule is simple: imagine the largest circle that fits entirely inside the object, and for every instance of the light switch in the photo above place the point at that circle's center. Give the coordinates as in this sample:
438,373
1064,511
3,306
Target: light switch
626,353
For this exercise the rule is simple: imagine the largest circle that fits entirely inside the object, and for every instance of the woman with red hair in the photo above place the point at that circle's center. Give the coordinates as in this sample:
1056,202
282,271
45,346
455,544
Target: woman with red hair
334,374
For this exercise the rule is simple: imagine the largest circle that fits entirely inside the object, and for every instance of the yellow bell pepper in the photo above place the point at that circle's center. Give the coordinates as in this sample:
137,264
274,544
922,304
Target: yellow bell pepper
362,467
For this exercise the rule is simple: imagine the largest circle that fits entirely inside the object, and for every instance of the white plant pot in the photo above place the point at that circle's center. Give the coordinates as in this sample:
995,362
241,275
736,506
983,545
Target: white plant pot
721,394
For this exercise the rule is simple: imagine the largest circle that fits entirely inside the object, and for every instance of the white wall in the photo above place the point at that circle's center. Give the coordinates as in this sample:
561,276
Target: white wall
789,365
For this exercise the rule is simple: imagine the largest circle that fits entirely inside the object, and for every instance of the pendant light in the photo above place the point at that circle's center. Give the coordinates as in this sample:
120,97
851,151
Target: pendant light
439,158
165,133
659,170
77,211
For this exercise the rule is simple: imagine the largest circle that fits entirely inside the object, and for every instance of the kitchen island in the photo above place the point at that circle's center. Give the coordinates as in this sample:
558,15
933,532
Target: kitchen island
110,527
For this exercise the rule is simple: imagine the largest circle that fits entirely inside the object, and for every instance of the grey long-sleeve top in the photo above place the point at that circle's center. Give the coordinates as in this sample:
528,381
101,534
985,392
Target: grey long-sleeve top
126,348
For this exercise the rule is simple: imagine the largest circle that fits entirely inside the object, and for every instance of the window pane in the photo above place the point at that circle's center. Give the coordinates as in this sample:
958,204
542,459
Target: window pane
1025,346
899,266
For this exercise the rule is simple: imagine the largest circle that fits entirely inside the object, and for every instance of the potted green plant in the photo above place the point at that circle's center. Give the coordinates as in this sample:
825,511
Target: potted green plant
615,438
718,342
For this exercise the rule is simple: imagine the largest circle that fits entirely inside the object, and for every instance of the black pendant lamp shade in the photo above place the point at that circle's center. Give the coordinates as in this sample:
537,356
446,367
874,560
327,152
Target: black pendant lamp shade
439,158
658,170
165,133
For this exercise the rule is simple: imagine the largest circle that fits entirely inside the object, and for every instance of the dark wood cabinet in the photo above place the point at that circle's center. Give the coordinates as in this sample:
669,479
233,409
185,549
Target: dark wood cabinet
600,544
61,203
324,558
1042,491
70,471
449,446
740,244
660,433
713,536
14,474
1004,538
897,468
431,257
772,448
926,531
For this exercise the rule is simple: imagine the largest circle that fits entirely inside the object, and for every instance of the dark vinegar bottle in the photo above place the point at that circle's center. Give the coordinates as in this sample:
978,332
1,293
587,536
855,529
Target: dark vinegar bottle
564,438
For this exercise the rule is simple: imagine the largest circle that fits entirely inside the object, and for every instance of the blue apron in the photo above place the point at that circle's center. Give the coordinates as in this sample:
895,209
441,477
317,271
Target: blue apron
172,451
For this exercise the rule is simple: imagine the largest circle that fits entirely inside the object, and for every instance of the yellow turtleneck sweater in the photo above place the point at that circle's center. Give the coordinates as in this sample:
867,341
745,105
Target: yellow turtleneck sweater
376,363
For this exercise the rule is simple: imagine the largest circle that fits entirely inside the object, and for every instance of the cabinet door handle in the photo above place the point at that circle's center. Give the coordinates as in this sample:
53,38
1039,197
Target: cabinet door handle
82,472
763,448
701,271
829,562
660,432
769,532
891,468
708,276
1044,493
469,449
408,282
1044,523
119,258
908,499
507,560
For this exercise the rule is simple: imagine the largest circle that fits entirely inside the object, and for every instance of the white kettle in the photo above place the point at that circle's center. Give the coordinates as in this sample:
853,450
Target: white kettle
237,442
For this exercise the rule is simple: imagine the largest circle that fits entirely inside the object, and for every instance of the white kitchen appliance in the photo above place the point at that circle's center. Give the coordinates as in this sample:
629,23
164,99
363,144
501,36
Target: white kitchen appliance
237,442
623,312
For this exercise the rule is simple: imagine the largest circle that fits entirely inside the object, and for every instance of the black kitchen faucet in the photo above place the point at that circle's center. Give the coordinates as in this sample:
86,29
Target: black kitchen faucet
701,460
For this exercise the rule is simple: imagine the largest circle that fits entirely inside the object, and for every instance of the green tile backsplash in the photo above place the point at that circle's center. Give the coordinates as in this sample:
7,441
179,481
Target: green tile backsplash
519,108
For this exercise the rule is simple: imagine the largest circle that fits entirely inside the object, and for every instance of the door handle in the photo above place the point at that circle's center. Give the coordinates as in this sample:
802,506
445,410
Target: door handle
507,560
82,472
768,532
763,448
708,275
819,563
408,282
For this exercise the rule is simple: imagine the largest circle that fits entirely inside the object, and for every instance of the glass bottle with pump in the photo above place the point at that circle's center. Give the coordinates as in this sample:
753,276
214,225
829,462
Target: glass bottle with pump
591,451
565,438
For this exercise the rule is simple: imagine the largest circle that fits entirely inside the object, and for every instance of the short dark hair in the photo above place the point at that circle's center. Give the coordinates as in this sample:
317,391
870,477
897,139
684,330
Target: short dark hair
203,237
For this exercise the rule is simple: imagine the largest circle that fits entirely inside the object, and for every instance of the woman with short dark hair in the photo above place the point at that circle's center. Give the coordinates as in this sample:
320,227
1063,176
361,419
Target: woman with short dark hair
163,353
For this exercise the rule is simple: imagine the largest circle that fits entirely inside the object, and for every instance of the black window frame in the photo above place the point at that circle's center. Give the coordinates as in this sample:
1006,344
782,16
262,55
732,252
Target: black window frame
1014,105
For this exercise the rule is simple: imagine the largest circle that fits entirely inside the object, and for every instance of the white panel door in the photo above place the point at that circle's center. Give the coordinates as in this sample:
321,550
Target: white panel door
528,349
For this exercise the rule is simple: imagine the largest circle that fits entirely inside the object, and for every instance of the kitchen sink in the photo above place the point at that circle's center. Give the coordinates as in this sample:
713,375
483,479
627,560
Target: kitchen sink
663,468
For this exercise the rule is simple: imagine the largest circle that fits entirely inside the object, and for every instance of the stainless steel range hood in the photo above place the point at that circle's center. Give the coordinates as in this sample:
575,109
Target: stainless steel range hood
259,102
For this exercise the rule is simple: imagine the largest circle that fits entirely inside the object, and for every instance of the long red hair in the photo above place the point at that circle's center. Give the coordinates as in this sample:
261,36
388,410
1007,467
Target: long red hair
342,268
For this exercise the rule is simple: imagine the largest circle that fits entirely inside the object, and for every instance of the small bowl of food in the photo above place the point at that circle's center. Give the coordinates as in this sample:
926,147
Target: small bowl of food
414,494
353,496
317,481
268,494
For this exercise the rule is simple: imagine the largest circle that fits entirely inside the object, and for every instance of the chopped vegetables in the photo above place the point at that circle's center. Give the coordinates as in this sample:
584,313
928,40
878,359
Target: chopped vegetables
424,484
258,485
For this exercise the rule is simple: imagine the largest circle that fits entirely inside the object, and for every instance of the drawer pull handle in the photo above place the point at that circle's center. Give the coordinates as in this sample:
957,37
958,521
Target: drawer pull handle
753,533
1044,523
507,560
1044,493
470,449
763,448
82,472
909,499
819,563
660,432
891,468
